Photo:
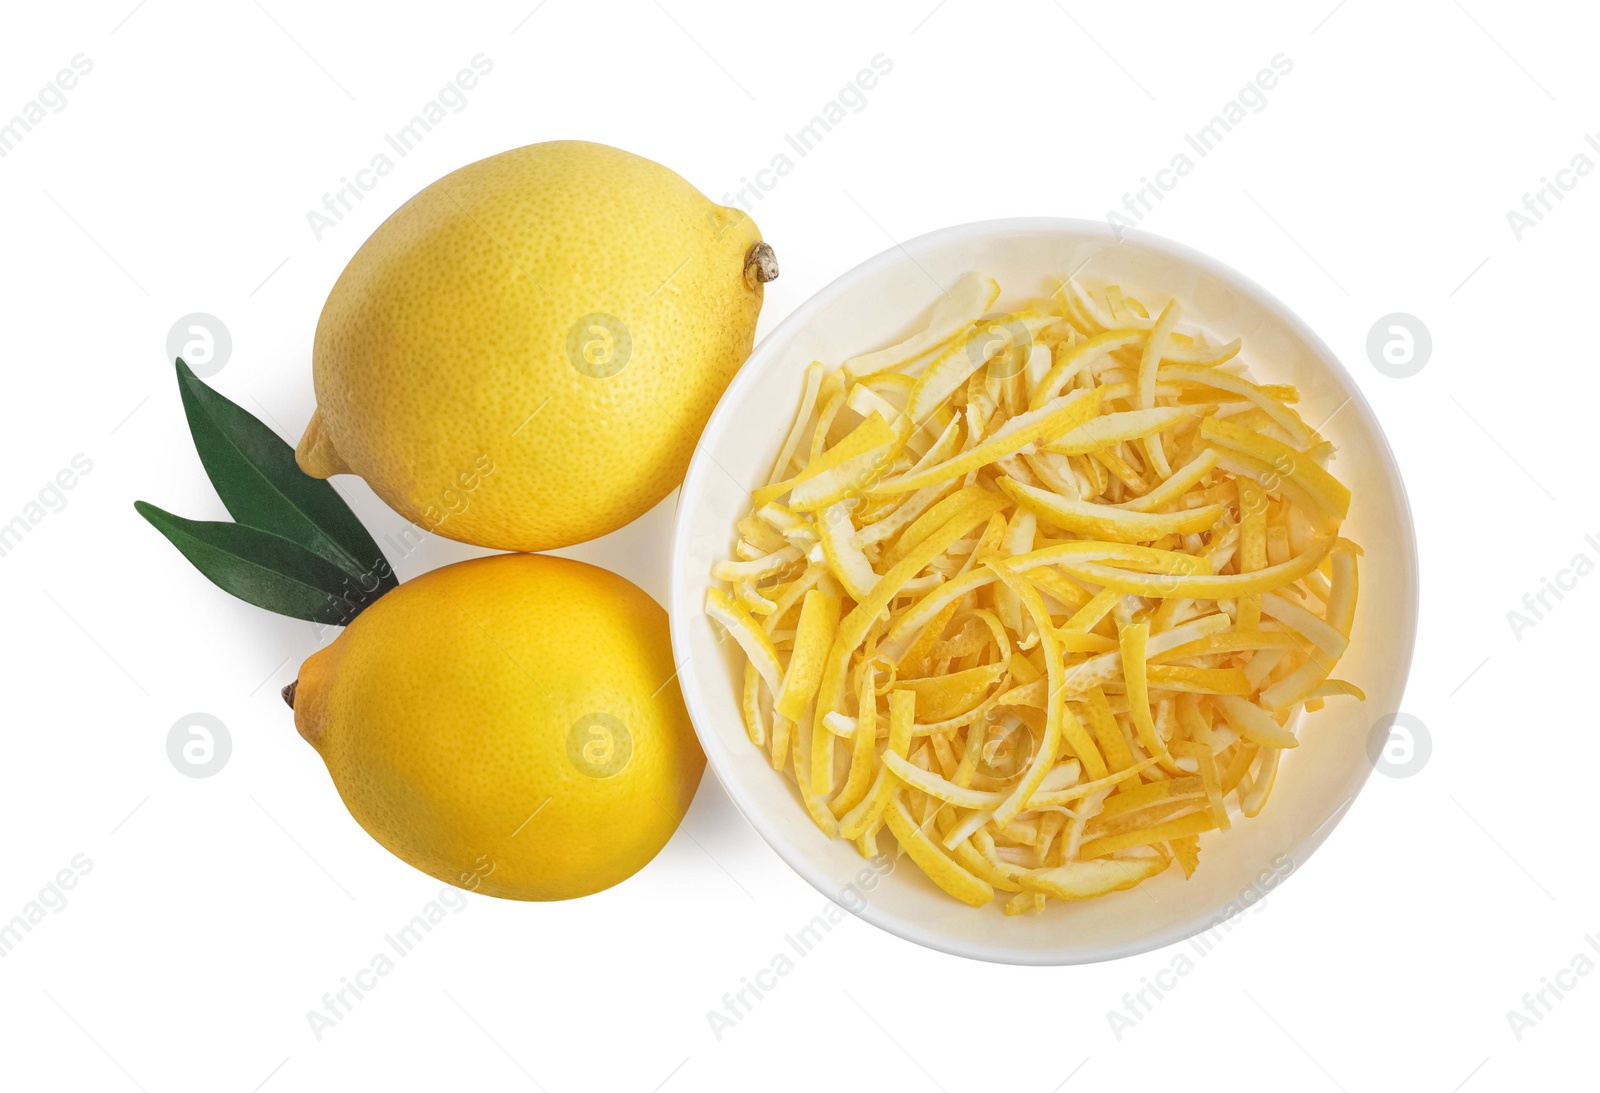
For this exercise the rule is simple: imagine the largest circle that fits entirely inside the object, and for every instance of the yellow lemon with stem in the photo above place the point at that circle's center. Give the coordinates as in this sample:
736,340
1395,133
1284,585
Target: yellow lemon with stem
511,725
523,355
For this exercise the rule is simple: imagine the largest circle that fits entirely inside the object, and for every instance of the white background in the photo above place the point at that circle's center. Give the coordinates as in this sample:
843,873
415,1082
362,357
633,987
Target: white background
218,911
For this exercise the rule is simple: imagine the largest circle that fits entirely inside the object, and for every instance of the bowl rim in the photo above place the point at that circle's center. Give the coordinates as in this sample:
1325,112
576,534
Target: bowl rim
759,361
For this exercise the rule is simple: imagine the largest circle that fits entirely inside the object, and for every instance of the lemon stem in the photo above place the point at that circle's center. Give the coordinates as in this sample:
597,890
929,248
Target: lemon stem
760,264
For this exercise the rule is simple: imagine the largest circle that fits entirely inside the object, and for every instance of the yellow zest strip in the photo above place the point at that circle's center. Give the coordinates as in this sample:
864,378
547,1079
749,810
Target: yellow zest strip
872,433
1255,724
1106,667
1083,308
1225,586
1239,765
1122,555
832,396
750,706
959,360
946,696
808,402
1160,337
1206,763
931,860
751,638
865,401
1192,824
1089,615
905,512
1326,491
1134,639
1190,351
1109,429
1074,641
1319,633
1151,793
1252,547
1253,801
1055,705
1080,356
756,568
844,481
1187,851
1088,879
1329,633
863,753
1059,797
1071,596
959,721
932,520
753,601
1068,725
1340,612
911,660
1302,435
1238,641
1215,681
868,813
1184,479
928,782
819,618
1109,521
842,554
1025,903
1056,417
971,296
973,860
1120,468
976,507
1107,733
975,510
816,804
781,728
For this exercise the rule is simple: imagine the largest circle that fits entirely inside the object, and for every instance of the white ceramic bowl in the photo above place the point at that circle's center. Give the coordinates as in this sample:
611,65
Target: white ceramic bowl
883,300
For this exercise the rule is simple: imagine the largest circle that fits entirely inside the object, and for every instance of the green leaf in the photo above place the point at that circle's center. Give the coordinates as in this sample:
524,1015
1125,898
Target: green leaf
264,569
255,474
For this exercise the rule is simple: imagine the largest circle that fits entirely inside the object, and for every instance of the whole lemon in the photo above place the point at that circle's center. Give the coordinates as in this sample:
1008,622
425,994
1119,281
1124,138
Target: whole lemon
511,725
523,356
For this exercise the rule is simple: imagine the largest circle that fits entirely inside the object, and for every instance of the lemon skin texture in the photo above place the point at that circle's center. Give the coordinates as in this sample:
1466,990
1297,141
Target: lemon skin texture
511,725
566,314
